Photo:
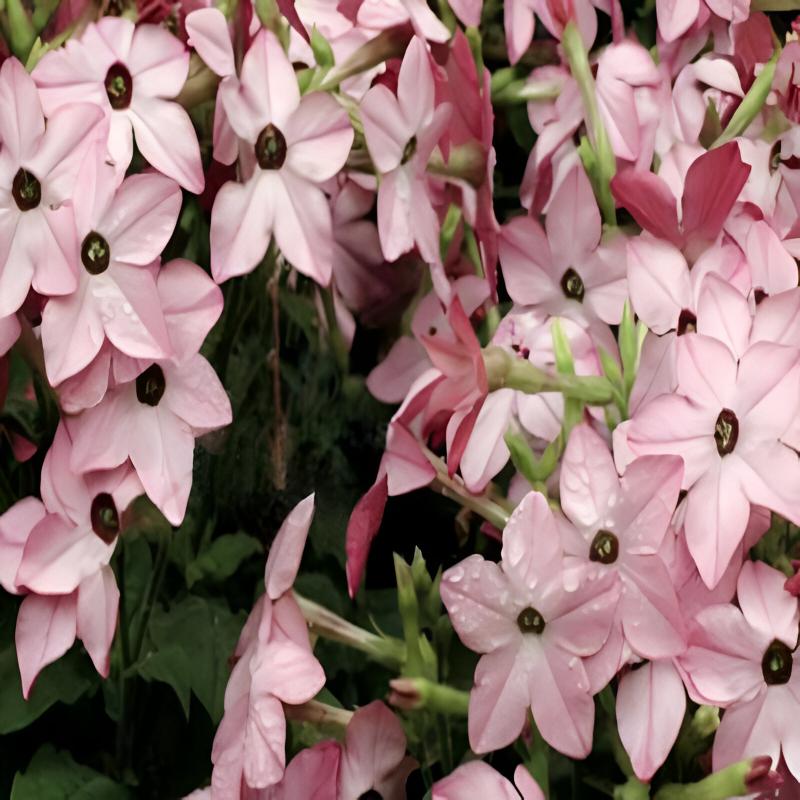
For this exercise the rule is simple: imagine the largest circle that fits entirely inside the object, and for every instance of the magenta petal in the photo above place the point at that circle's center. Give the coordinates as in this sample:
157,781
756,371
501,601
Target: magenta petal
650,201
712,185
362,529
651,702
45,631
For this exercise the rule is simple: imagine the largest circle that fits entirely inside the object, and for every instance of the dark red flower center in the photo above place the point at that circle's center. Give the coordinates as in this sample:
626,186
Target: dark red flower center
26,190
150,386
119,86
687,322
572,285
95,253
409,150
726,431
104,517
530,621
371,794
604,548
776,665
270,148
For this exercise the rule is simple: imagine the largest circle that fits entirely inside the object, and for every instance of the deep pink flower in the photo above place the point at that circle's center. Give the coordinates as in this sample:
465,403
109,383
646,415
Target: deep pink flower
711,187
478,779
131,72
120,234
745,660
38,169
726,422
401,134
533,634
291,145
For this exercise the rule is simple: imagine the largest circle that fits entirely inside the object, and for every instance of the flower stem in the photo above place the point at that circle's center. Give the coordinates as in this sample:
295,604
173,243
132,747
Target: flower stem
318,713
506,371
414,694
387,650
728,782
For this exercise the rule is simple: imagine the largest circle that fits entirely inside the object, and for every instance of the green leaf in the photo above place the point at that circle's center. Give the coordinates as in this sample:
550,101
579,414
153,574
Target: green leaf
53,775
222,558
61,682
191,645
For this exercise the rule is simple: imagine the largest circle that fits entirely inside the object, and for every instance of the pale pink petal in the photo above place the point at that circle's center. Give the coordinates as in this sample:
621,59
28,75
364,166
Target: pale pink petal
98,601
391,380
771,478
318,136
158,61
589,484
526,261
772,268
474,779
162,451
287,548
166,137
142,218
208,34
242,222
264,742
651,703
651,616
675,17
425,22
314,770
21,118
750,729
16,523
191,303
374,749
499,700
195,394
706,371
573,220
518,23
765,604
59,555
562,706
468,11
723,313
385,128
531,546
415,90
403,462
45,631
658,278
527,786
287,671
394,214
486,452
476,595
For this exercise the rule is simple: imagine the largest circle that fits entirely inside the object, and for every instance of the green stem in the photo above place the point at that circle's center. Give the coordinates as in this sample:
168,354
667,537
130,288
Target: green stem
751,104
387,650
728,782
414,694
506,371
606,163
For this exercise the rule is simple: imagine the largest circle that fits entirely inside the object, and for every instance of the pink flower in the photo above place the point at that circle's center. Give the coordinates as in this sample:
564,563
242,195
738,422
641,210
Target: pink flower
291,146
620,524
787,81
131,72
565,269
745,660
726,422
478,779
711,187
62,551
401,134
275,665
374,755
154,417
533,634
313,772
38,168
120,234
676,18
381,14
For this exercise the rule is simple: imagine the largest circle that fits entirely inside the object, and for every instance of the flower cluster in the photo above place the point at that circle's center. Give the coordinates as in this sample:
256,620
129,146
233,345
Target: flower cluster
596,357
